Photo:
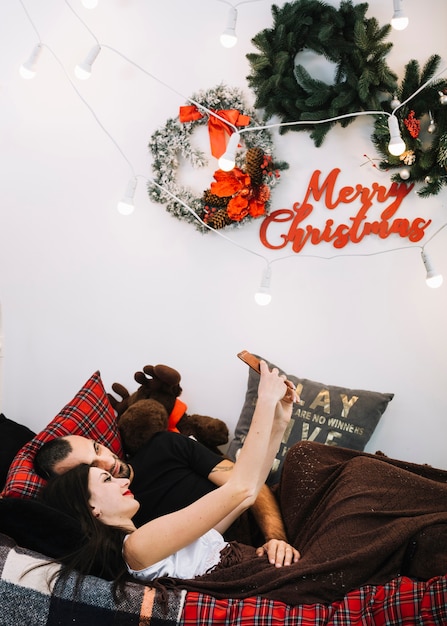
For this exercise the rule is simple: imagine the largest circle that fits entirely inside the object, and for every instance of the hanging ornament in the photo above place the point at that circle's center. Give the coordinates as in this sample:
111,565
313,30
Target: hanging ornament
404,173
432,126
428,179
442,97
395,102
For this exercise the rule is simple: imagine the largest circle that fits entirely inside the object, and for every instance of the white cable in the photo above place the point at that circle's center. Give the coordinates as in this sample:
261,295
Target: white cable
421,88
237,3
82,21
178,93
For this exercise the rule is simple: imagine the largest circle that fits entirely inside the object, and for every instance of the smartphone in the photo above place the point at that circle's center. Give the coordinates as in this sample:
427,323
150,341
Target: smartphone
251,360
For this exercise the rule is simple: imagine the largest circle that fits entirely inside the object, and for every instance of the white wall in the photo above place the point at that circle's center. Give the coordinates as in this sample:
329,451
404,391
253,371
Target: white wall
84,288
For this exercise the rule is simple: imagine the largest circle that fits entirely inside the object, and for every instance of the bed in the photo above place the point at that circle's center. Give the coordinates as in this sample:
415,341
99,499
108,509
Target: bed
28,601
28,535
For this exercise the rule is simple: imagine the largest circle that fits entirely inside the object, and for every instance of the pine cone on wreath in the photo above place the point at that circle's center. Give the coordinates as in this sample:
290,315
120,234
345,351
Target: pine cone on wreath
210,199
254,160
218,219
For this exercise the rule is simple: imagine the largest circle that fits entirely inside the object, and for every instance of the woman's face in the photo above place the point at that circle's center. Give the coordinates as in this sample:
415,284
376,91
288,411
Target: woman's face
110,498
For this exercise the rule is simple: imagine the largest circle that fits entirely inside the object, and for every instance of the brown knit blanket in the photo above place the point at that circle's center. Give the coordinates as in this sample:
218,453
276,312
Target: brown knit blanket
356,519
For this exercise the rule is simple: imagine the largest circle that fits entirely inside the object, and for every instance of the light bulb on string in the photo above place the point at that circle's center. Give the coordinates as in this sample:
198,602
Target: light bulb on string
229,38
263,295
396,145
228,159
126,205
442,97
83,70
28,69
433,279
399,21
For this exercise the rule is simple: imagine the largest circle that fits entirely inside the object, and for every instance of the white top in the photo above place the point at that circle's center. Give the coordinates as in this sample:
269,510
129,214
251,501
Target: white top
189,562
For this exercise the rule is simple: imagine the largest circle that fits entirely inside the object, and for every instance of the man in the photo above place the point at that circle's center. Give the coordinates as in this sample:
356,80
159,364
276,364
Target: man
169,472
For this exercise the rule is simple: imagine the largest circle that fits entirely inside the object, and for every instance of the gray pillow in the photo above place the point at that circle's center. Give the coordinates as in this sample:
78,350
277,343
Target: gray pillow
335,416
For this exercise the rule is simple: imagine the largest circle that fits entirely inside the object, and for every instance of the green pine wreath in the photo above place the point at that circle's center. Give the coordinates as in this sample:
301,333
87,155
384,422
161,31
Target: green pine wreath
344,36
255,175
423,127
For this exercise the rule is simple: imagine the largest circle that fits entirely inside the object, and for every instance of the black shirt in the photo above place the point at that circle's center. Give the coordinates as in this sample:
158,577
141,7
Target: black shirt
170,472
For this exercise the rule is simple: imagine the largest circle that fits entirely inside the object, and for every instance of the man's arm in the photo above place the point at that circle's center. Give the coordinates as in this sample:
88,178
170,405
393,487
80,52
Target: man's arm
265,509
267,514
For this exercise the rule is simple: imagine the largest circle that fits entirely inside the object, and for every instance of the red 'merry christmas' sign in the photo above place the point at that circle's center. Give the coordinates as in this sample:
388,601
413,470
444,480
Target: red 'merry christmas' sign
297,235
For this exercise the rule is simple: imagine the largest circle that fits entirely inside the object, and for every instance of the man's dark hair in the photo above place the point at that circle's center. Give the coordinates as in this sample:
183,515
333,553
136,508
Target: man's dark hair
49,454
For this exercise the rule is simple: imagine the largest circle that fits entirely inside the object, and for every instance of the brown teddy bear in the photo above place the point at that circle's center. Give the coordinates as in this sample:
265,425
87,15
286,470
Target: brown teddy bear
155,406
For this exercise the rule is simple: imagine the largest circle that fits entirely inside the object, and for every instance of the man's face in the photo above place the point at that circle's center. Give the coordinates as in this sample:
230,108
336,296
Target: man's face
92,453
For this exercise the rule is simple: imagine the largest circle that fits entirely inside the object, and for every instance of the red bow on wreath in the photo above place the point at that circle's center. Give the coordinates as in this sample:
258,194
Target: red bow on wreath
217,128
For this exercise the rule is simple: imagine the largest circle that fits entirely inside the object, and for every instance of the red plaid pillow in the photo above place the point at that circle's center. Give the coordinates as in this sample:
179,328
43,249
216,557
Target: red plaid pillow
89,414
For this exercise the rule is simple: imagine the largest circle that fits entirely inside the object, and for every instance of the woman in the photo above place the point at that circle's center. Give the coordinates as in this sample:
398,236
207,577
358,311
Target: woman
183,544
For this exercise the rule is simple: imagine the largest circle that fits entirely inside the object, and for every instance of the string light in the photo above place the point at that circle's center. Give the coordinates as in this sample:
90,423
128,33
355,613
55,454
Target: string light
28,69
127,202
396,145
433,278
229,38
83,70
263,295
228,159
399,21
126,205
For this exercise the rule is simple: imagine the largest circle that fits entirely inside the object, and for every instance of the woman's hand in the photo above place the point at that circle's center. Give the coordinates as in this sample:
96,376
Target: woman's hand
275,385
276,389
290,396
279,552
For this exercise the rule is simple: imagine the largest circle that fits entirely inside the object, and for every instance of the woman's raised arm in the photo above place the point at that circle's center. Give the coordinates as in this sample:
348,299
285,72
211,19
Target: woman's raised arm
166,535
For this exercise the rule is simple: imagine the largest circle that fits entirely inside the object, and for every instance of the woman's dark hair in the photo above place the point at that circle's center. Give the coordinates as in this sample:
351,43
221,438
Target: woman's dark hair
100,551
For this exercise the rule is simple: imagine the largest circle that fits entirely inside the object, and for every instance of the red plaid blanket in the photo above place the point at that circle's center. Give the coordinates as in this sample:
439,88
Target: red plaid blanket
402,602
